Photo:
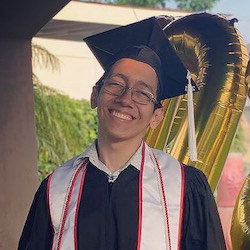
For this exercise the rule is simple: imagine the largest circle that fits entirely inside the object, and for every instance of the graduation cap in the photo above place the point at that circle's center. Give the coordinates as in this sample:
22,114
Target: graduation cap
144,41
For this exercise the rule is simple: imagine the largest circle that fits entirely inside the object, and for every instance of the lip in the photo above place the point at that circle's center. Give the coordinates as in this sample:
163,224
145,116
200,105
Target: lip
124,116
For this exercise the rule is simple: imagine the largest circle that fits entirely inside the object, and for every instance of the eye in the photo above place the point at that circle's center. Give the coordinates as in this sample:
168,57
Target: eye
113,87
143,94
113,84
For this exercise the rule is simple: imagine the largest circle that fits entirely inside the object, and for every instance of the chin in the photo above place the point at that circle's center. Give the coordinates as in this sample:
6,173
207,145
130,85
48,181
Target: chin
126,137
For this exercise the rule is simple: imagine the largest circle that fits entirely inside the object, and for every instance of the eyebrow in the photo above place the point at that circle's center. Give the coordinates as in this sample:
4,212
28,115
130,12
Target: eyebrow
125,78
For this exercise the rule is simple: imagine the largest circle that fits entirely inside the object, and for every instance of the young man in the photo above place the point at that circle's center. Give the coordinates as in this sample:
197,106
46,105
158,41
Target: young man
120,194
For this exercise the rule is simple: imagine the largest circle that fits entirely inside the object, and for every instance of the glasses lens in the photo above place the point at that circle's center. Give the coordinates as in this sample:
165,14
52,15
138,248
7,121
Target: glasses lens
142,96
112,87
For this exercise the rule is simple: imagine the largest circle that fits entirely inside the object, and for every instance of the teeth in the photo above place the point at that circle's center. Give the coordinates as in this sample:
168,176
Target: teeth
122,116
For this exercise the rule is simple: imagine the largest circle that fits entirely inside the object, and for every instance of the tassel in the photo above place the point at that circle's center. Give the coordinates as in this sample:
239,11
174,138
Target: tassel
191,126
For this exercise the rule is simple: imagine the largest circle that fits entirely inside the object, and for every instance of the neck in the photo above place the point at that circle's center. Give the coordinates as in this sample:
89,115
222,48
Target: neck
116,154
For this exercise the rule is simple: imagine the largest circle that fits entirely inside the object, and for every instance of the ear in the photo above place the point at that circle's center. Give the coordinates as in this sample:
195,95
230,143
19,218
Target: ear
157,118
93,98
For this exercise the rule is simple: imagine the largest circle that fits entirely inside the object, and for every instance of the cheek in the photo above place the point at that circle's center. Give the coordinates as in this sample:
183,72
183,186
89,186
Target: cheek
146,114
102,104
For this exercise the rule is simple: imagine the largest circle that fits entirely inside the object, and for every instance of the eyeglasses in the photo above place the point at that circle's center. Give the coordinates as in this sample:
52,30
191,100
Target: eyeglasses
138,95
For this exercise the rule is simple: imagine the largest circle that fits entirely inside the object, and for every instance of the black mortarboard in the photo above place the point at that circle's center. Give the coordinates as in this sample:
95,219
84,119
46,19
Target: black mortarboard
143,41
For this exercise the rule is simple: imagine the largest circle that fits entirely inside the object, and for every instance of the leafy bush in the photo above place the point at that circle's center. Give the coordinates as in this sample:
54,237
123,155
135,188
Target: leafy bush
65,127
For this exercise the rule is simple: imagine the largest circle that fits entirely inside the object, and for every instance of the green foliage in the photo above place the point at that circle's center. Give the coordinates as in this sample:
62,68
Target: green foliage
148,3
238,142
65,127
195,5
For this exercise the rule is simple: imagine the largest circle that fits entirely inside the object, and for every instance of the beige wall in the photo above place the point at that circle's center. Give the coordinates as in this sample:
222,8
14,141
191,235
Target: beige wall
79,69
18,168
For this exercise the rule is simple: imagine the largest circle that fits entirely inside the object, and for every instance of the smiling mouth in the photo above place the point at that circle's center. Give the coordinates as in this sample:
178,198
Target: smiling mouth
121,115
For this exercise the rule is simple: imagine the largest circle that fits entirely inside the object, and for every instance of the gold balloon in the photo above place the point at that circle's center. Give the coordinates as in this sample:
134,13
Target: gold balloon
240,230
248,78
215,54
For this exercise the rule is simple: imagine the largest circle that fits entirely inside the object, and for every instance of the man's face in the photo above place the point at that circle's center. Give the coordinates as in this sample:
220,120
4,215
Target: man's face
120,118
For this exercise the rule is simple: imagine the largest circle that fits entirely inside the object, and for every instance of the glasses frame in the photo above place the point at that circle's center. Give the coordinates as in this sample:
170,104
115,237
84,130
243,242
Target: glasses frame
125,88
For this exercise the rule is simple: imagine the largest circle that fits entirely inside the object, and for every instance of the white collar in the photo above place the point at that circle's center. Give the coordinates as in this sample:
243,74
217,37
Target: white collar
91,153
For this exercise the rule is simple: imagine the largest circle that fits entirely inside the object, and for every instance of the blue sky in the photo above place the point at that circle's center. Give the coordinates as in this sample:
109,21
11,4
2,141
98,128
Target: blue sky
237,8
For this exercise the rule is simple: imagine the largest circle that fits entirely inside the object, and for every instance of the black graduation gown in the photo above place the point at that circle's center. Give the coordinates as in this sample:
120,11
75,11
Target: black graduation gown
108,214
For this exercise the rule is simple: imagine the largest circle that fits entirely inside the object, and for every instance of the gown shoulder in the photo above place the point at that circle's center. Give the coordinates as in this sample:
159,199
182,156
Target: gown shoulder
34,236
201,224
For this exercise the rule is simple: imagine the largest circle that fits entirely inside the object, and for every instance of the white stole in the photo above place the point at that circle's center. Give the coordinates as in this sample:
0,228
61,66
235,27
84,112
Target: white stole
64,194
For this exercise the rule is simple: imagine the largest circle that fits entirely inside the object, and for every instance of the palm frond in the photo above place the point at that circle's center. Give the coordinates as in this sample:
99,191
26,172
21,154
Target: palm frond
42,58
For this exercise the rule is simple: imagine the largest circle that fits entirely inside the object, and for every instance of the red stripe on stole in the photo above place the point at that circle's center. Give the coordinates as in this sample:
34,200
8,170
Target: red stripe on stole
165,201
77,206
140,199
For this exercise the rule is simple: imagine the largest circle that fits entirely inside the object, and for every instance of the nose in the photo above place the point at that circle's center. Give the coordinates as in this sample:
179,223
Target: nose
126,97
